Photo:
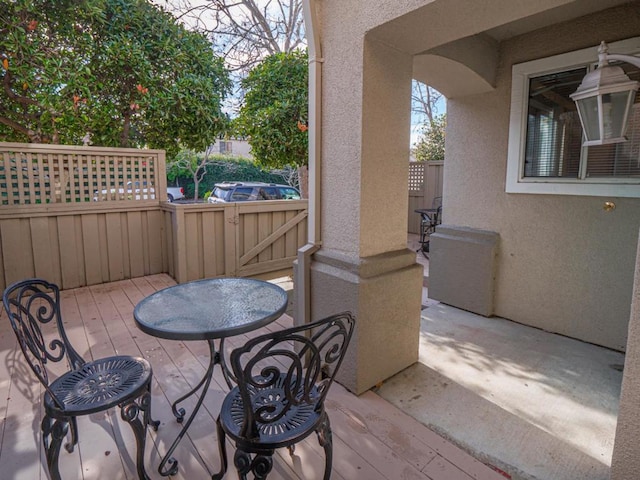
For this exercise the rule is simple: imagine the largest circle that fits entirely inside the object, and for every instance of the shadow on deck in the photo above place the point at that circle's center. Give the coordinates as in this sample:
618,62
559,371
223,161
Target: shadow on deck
373,440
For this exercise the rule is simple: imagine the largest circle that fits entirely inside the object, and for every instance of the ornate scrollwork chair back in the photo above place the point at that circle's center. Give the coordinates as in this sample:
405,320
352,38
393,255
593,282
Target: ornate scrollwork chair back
282,380
33,307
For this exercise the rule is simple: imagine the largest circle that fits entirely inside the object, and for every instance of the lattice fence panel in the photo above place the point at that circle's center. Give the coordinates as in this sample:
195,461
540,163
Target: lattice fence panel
416,176
47,174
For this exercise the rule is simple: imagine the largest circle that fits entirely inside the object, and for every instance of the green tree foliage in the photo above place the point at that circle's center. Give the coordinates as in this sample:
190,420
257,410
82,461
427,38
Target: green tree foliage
122,70
274,114
430,146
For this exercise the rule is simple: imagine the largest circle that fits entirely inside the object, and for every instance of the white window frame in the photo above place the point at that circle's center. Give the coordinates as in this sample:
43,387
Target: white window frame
521,74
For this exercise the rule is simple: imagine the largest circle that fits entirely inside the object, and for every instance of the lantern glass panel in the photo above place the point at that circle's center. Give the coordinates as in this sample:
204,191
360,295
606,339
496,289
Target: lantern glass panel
588,109
614,112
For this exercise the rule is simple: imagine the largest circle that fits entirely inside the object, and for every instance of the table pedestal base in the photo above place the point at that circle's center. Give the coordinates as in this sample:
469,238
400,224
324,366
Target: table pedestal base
169,465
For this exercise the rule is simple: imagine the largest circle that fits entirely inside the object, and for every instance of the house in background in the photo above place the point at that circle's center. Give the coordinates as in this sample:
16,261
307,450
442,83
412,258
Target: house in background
238,147
536,229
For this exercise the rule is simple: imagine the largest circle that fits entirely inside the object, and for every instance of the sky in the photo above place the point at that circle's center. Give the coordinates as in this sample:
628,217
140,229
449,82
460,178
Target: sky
416,125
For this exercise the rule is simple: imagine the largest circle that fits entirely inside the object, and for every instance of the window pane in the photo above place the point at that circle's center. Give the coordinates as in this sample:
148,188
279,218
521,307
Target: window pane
554,134
241,194
268,193
289,193
222,193
613,106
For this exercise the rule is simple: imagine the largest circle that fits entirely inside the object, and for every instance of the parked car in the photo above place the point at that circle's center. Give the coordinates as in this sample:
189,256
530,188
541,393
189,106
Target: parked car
248,191
175,193
137,191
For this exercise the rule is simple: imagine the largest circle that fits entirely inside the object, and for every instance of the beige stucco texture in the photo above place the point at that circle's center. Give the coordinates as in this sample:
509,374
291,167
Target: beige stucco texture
625,463
377,290
564,263
364,264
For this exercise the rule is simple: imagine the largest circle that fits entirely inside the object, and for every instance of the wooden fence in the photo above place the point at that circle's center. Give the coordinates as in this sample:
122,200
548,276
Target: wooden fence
425,183
95,244
84,246
233,239
35,174
51,227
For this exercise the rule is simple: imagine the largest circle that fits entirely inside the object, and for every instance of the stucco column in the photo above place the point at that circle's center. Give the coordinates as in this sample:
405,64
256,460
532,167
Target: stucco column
364,265
625,464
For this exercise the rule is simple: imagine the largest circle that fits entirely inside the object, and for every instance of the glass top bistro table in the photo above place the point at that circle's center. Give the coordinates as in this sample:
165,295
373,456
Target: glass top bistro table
207,310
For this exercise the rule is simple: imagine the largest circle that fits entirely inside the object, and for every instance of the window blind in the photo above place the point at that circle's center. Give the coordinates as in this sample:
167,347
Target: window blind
554,134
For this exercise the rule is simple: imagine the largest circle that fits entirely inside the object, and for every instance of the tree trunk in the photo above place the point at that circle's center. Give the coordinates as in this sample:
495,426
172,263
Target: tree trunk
124,137
196,187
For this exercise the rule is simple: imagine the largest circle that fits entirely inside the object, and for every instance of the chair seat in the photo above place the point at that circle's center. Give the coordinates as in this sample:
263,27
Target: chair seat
99,385
297,421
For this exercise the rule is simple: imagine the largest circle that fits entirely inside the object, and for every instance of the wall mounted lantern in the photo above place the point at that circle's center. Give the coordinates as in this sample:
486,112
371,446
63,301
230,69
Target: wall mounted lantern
604,99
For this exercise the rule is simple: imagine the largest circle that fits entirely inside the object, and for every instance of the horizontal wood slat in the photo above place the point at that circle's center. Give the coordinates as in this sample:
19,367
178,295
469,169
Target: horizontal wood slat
372,439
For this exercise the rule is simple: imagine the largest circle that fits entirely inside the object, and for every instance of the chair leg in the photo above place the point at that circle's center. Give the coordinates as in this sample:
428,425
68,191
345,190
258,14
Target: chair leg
325,439
260,465
222,448
130,412
69,446
53,432
146,407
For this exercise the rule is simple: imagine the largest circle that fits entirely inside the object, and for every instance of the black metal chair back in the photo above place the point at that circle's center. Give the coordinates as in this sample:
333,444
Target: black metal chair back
436,219
436,203
33,307
283,379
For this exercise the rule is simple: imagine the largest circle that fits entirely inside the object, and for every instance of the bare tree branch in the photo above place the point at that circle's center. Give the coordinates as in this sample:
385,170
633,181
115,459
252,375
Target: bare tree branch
244,31
424,100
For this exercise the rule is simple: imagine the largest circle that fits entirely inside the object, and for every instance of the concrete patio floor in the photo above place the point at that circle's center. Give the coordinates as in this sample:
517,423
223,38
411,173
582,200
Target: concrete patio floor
535,404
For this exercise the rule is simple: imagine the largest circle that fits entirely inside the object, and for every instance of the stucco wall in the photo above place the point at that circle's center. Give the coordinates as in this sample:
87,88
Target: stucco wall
625,463
363,125
564,264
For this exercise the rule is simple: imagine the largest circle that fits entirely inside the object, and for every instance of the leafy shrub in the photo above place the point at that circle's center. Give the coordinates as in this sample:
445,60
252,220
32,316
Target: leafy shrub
430,147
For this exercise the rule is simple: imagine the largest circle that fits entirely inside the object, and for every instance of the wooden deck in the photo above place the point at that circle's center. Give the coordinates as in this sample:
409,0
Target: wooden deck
373,440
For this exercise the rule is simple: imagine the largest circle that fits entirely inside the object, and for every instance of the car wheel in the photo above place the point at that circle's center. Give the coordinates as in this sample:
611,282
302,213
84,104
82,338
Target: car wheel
169,197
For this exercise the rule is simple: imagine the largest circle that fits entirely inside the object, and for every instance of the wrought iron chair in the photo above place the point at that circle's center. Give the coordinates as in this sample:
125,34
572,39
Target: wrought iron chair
282,380
33,307
429,220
